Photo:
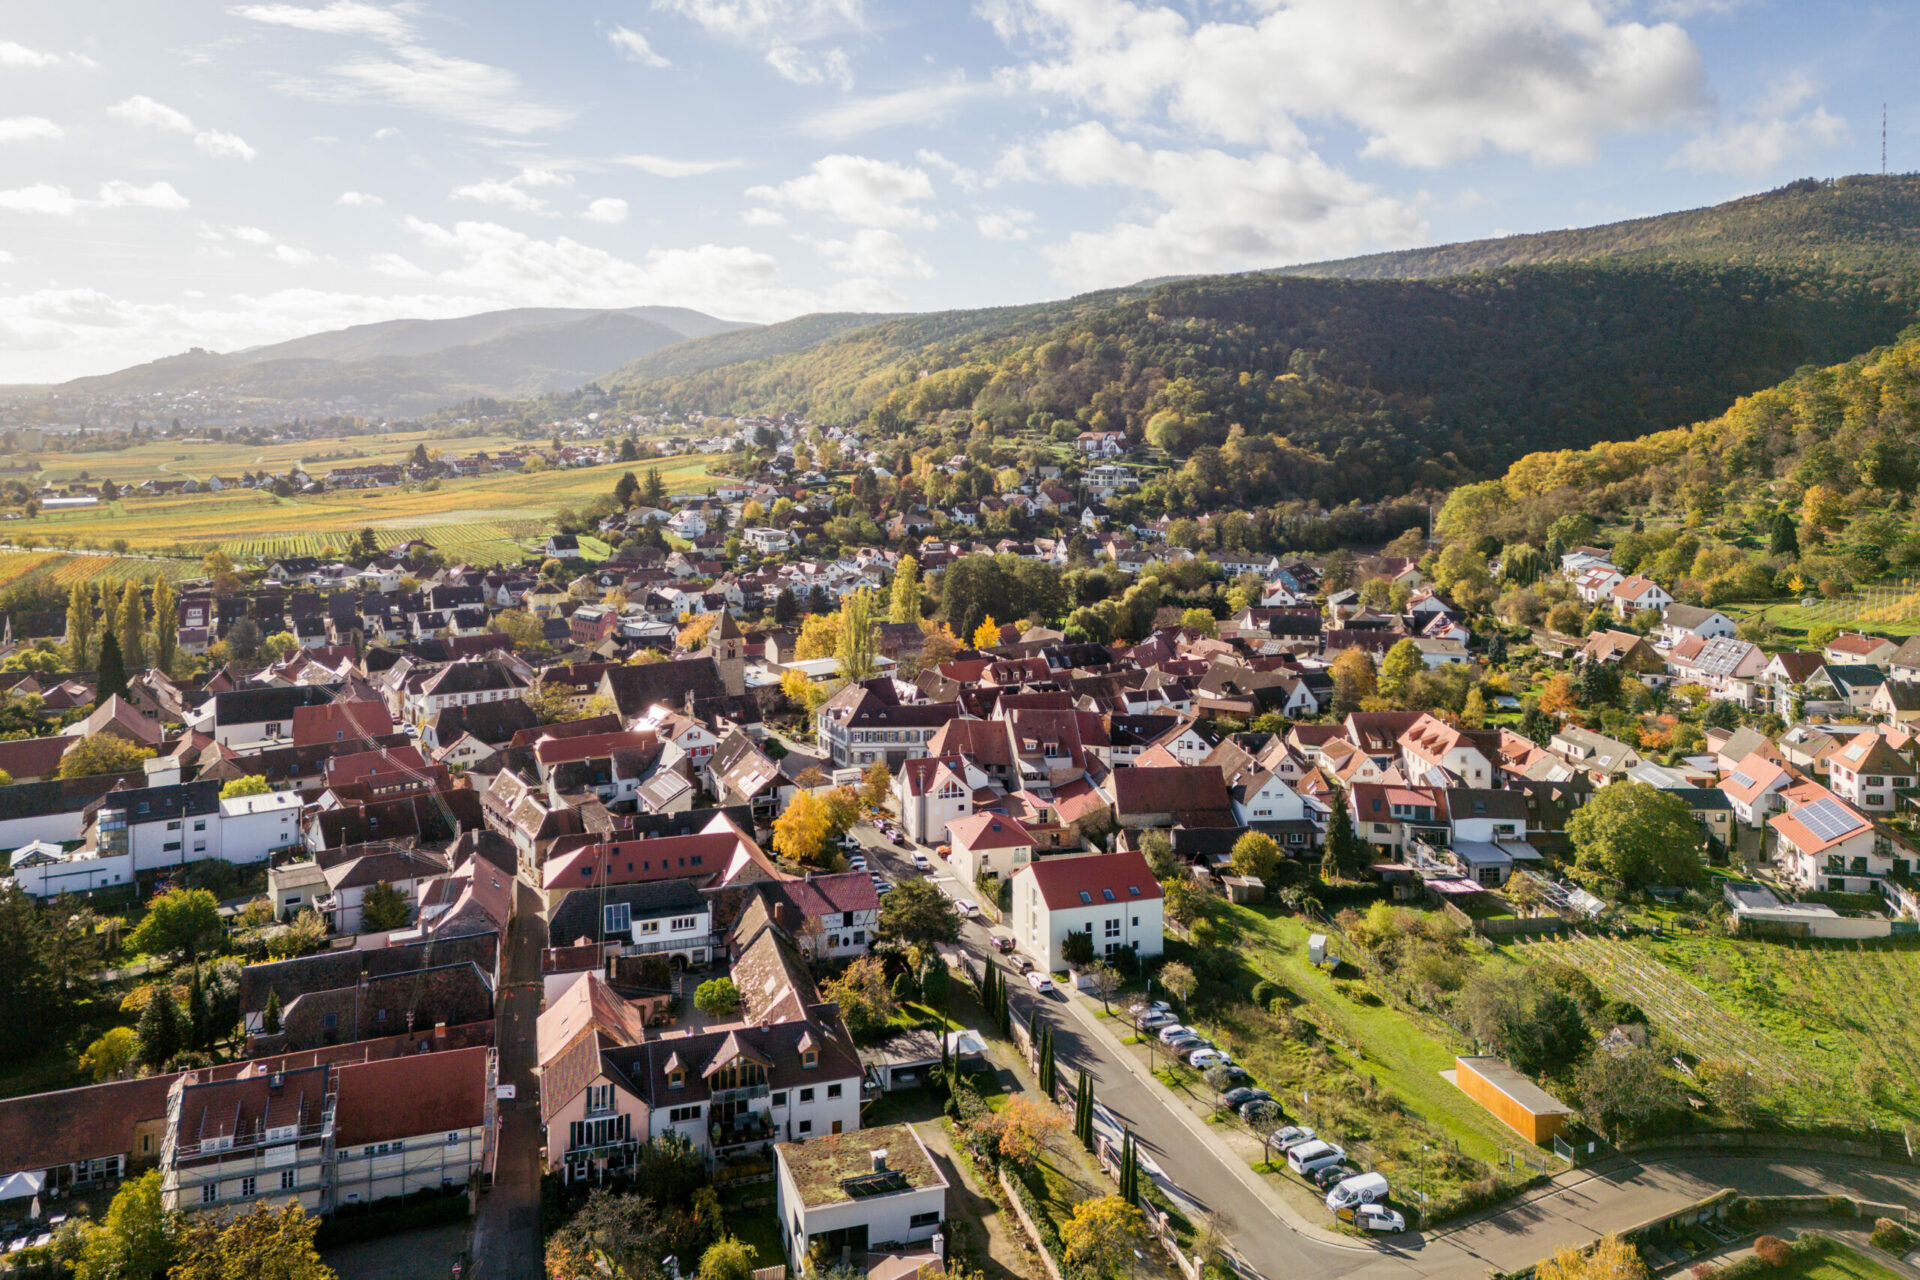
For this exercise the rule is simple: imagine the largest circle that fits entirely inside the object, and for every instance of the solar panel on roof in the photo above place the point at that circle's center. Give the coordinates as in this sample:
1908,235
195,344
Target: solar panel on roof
1742,780
1828,819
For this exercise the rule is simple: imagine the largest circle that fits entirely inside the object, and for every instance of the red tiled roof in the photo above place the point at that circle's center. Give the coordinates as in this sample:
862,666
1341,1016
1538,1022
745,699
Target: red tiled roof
988,831
633,861
1061,881
340,721
407,1097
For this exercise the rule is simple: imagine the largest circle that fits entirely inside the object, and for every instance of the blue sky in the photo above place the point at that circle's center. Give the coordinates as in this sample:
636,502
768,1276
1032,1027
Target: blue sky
225,174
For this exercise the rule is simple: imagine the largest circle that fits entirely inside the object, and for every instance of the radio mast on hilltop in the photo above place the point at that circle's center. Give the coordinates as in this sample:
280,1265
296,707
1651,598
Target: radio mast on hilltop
1883,139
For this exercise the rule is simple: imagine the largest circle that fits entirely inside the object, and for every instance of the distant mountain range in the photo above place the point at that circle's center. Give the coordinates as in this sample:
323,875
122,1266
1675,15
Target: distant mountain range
414,366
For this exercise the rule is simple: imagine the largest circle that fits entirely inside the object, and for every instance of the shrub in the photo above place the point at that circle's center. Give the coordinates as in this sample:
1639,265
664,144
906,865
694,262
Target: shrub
1772,1250
1891,1236
1264,992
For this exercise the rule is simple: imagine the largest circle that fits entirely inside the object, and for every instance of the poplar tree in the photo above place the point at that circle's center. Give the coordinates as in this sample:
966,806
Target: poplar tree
904,605
133,628
79,626
166,626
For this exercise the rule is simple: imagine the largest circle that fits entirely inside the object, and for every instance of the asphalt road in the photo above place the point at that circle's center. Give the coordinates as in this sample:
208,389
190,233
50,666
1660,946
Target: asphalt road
1574,1209
506,1230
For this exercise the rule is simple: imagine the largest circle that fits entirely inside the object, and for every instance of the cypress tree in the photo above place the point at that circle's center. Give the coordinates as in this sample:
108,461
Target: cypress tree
1047,1074
112,675
199,1013
159,1031
270,1019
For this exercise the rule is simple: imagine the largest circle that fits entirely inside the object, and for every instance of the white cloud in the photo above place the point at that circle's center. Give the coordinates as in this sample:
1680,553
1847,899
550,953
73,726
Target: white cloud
381,135
225,146
515,192
411,74
1216,212
292,256
667,167
358,200
749,18
961,176
1005,224
28,129
608,209
797,65
252,235
856,190
155,195
634,48
872,252
890,110
5,257
144,112
341,18
508,267
1764,136
57,201
392,264
18,55
1427,82
763,218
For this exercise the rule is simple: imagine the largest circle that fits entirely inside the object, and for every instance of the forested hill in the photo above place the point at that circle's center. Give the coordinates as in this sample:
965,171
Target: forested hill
1365,387
1860,223
1811,483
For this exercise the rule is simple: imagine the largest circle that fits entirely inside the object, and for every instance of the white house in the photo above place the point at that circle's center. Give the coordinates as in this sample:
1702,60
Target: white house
1823,843
1112,896
1683,620
1754,787
988,842
934,791
1430,746
873,1191
1638,594
1869,774
767,541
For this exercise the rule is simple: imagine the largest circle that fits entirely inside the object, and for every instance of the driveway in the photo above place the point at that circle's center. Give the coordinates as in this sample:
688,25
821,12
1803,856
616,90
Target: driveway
1575,1208
506,1231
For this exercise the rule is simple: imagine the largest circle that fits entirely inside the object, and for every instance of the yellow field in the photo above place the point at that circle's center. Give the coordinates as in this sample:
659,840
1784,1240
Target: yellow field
484,520
172,459
26,570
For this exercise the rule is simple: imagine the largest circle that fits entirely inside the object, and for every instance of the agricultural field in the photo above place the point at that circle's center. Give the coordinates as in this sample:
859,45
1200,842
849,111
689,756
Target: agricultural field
484,520
1833,1028
172,459
1888,609
31,569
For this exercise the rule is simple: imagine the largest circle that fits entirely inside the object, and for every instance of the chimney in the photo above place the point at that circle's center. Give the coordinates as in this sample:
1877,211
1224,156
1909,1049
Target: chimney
880,1160
439,1031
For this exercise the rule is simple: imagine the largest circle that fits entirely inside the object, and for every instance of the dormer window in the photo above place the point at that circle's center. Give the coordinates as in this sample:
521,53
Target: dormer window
676,1079
810,1058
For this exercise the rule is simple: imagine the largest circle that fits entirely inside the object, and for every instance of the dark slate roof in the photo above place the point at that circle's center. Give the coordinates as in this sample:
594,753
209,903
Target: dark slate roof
153,804
60,795
257,706
579,914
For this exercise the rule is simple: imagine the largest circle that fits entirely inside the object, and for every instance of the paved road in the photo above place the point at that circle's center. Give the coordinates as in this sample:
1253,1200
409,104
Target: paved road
1574,1209
506,1232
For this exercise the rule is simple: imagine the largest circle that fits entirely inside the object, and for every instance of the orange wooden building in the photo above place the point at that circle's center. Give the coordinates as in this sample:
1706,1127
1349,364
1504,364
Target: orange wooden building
1521,1105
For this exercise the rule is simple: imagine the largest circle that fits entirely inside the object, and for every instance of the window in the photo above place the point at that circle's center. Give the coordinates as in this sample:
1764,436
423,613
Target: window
453,1139
931,1218
805,1127
780,1099
680,1115
1113,927
676,1079
616,918
833,1091
209,1192
248,1186
599,1098
806,1095
810,1059
682,923
649,926
286,1179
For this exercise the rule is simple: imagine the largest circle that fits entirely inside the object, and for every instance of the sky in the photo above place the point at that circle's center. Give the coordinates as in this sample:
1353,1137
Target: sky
180,173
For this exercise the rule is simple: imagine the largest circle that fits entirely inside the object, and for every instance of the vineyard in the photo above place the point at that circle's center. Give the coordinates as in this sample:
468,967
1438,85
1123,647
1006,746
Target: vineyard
30,569
1834,1029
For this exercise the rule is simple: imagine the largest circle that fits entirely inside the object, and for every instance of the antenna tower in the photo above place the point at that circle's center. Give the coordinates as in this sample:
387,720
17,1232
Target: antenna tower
1883,139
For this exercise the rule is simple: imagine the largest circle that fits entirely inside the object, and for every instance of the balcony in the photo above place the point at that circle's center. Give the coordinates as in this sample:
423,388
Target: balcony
742,1130
710,942
744,1093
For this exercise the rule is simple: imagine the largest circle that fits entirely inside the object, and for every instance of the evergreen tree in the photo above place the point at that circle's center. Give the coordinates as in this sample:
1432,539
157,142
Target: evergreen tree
1083,1111
1497,649
1783,536
160,1033
626,490
79,626
785,607
656,490
1048,1075
270,1017
199,1014
112,675
166,625
1129,1169
1346,853
132,627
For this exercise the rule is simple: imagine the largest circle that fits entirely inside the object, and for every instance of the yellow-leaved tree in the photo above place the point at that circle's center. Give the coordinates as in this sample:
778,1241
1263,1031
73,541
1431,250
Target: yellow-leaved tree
987,634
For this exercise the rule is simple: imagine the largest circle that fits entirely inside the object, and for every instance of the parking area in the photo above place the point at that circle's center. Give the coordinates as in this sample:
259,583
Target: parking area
431,1254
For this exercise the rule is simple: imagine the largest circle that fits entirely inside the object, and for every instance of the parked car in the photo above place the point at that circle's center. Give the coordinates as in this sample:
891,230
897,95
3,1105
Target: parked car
1365,1188
1331,1176
882,888
1292,1136
1026,965
1237,1076
1202,1058
1003,944
1246,1108
1310,1156
1140,1008
920,862
1375,1217
1040,982
1181,1047
966,908
857,862
1169,1034
1235,1097
1155,1021
944,850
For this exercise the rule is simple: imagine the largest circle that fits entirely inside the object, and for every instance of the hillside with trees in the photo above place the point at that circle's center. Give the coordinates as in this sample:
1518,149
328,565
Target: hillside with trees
1371,377
1806,487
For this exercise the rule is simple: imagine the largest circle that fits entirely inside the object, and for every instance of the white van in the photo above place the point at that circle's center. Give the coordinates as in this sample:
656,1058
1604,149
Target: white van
1308,1156
1362,1188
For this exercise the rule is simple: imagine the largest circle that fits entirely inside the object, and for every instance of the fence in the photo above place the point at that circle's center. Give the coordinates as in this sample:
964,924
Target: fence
1027,1225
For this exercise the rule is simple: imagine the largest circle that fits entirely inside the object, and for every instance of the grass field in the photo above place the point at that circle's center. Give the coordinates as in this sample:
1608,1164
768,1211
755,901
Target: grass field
484,520
170,458
1830,1260
1886,612
1834,1028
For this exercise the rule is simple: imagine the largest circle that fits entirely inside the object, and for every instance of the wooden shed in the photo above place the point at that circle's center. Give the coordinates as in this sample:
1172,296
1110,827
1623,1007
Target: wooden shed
1521,1105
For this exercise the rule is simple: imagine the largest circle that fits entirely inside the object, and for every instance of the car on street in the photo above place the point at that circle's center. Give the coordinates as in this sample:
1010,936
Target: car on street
1040,982
966,908
1003,944
920,862
882,888
1235,1097
1169,1034
1375,1217
1026,965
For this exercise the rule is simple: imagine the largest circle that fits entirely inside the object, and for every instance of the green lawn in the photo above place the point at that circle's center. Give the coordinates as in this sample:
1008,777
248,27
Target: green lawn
1403,1056
1831,1260
757,1226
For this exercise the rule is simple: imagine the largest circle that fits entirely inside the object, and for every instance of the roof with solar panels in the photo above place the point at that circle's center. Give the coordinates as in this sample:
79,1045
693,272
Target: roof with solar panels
1816,820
